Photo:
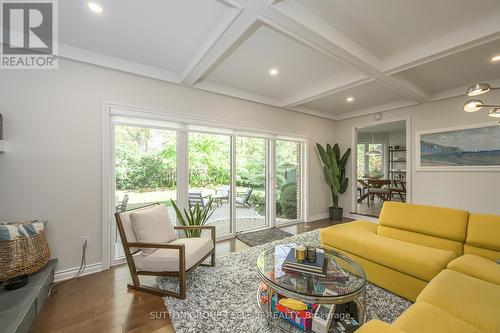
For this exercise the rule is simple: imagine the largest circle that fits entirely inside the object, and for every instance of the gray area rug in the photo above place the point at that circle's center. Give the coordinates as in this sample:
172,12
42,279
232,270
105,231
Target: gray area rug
223,298
263,236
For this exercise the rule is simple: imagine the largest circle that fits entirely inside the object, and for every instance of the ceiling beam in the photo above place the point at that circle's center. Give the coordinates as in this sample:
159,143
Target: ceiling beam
458,41
229,40
328,89
333,43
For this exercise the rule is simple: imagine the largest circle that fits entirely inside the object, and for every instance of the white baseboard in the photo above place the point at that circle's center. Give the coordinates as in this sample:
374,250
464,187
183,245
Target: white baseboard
318,217
69,273
361,217
348,215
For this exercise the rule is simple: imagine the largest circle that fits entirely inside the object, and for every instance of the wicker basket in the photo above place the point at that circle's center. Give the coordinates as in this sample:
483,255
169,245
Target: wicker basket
23,256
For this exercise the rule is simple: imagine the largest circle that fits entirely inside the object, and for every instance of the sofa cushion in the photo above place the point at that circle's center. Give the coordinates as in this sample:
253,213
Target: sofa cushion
359,238
479,251
484,231
424,317
153,225
478,267
421,239
167,260
433,221
396,282
473,300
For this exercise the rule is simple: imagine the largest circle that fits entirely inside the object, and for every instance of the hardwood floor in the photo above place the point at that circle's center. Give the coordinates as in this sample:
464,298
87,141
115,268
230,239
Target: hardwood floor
101,302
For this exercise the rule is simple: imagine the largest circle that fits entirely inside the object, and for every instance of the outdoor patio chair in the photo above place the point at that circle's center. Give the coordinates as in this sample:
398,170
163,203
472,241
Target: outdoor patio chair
122,205
198,198
152,248
243,201
222,195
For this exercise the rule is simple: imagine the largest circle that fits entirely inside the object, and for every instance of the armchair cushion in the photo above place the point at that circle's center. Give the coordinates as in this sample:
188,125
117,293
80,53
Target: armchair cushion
167,260
153,225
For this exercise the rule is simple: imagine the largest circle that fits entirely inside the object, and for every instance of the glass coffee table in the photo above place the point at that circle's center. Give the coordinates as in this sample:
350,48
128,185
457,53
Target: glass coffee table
344,284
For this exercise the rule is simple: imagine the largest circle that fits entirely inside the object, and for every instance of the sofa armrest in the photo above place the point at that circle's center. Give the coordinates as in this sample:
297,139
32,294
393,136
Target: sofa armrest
378,326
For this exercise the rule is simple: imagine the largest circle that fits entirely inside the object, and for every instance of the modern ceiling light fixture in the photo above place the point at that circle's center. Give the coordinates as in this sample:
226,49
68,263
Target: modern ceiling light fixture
494,113
350,99
478,89
475,105
373,151
95,7
496,58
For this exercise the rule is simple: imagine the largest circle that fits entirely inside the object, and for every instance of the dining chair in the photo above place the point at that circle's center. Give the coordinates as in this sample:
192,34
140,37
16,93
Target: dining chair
380,188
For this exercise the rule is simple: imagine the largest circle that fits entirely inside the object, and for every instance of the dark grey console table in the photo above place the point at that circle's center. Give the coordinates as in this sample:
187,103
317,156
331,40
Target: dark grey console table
18,308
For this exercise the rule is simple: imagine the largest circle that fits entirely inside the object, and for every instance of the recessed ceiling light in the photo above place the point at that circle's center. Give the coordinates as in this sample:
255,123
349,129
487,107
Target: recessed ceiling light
496,58
95,7
350,99
273,71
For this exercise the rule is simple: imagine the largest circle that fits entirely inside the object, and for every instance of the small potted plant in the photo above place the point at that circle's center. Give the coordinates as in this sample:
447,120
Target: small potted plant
335,175
194,216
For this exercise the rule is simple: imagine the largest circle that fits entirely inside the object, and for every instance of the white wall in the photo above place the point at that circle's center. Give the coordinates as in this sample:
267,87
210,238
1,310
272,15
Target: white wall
473,191
53,127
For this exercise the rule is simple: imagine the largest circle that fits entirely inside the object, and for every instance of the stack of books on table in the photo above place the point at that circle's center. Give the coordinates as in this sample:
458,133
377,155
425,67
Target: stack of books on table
315,268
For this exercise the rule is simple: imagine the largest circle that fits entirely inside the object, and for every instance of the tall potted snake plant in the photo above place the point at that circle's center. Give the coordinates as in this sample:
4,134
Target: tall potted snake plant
194,216
334,168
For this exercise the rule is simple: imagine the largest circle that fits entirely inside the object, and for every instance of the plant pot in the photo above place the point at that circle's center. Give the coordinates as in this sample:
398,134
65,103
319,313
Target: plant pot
336,213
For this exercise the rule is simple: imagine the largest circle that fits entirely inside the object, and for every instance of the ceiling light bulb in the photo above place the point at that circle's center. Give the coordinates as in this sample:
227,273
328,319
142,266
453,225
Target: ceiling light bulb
496,58
478,89
350,99
95,7
473,105
495,113
273,71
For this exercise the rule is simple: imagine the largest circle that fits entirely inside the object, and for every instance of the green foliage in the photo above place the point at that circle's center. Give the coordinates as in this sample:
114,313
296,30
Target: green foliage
334,169
145,158
288,201
194,216
370,166
209,159
258,201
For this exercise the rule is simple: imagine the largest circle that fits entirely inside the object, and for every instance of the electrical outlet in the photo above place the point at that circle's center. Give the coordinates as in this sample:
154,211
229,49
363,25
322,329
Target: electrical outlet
88,239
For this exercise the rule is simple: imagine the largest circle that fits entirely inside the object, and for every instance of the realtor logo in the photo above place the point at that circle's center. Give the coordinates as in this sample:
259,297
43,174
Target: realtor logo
29,34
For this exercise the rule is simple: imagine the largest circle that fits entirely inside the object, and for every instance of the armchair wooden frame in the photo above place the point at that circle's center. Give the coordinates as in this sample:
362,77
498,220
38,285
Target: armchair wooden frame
180,274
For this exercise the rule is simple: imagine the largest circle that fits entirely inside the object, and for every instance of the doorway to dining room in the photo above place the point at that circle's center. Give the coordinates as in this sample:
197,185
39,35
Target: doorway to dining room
381,165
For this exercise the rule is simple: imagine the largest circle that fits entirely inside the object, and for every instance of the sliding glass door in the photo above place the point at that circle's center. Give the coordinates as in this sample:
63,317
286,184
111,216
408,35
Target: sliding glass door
210,177
288,181
248,180
145,171
251,171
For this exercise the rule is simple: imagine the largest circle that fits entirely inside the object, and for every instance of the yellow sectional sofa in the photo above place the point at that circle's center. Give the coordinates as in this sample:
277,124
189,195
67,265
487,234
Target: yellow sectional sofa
443,259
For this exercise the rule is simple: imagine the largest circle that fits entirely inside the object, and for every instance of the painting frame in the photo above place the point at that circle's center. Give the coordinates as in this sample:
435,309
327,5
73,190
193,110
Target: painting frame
476,168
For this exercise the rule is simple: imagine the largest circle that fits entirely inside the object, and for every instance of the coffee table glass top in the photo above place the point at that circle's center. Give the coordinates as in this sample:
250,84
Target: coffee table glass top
344,276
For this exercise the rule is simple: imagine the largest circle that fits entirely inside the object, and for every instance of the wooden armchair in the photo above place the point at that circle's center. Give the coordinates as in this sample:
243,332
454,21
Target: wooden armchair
174,258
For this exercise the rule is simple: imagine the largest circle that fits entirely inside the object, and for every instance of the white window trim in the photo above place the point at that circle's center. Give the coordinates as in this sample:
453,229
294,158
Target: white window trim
127,114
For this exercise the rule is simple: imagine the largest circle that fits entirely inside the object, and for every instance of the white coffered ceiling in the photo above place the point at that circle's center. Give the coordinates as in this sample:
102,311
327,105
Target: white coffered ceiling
384,54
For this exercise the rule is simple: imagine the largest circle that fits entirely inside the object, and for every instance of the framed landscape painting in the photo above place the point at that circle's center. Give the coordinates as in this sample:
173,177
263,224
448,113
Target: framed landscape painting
467,148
